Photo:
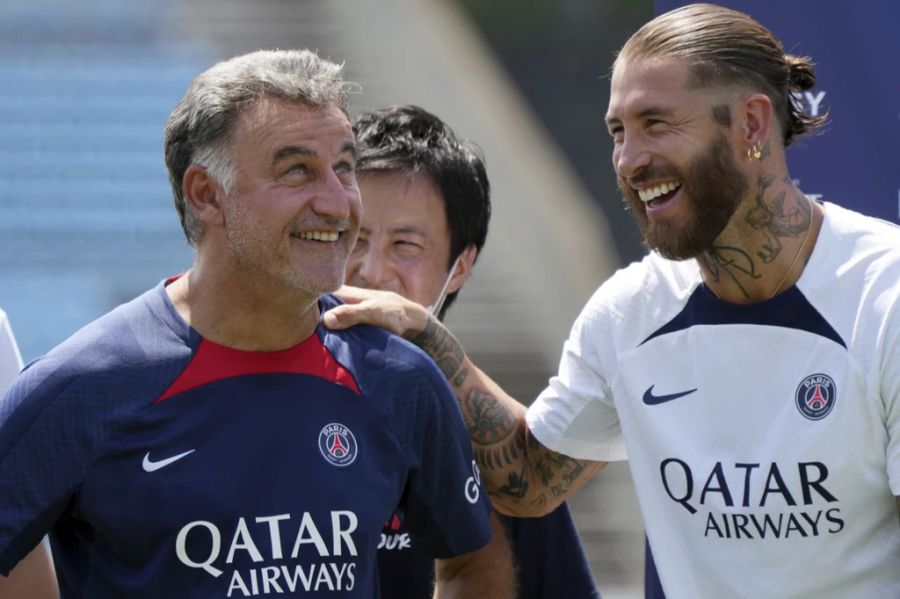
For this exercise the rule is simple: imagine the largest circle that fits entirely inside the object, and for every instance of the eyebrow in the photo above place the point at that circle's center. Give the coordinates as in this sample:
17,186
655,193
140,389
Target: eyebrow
347,148
407,230
649,111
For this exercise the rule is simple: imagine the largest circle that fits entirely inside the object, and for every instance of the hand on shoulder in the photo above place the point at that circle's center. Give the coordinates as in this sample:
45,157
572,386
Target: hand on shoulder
384,309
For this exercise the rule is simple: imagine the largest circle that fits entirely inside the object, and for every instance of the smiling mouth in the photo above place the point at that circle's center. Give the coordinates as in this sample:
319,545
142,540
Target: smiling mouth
660,194
317,235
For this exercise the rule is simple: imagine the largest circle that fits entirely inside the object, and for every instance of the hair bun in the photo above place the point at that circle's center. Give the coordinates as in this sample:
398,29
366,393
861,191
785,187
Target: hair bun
801,74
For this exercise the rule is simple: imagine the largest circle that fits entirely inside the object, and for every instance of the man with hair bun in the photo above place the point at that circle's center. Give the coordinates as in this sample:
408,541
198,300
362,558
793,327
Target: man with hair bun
748,367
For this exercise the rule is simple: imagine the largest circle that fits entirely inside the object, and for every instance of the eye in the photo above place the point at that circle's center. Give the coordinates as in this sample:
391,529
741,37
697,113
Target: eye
408,247
297,169
344,167
617,133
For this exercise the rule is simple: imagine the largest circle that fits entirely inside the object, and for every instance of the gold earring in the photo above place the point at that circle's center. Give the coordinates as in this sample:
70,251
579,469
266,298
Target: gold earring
754,152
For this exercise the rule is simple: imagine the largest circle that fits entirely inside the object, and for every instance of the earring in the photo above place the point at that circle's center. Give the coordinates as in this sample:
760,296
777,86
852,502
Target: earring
754,152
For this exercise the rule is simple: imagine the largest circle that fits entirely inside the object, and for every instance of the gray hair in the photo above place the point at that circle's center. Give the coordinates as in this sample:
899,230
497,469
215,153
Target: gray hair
200,128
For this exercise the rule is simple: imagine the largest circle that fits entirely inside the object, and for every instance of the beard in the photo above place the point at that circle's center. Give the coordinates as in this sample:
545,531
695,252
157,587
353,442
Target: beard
714,188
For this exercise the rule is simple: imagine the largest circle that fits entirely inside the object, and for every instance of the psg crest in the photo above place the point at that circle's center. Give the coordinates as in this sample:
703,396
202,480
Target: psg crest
337,444
815,396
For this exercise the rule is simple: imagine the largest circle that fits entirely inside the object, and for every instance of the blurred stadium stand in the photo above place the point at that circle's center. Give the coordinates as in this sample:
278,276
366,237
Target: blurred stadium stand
86,218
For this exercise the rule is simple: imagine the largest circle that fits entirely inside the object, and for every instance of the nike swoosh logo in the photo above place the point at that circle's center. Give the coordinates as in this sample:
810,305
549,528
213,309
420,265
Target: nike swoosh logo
652,400
151,466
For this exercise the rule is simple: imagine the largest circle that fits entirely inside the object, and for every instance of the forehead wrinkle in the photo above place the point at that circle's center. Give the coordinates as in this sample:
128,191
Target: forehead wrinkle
293,151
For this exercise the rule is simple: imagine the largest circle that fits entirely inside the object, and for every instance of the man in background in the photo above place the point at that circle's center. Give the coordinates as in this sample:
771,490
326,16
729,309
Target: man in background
426,209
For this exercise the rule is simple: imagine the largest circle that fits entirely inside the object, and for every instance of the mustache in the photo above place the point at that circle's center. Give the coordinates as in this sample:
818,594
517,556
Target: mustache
651,173
326,223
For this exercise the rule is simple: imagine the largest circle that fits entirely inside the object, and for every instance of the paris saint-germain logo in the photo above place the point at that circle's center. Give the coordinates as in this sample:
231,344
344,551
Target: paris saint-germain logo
337,444
815,396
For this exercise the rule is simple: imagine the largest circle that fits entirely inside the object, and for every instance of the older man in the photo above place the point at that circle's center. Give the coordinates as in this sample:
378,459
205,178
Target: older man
209,438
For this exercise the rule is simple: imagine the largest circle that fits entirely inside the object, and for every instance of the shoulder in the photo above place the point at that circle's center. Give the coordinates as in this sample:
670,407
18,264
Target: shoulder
849,232
380,360
650,279
637,298
860,253
121,354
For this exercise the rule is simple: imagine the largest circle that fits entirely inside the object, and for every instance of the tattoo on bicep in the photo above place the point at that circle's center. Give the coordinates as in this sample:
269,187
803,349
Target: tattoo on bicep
516,485
443,348
498,455
540,500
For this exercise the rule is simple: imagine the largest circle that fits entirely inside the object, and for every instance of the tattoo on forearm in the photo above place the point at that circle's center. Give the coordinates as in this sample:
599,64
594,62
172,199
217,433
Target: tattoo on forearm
443,348
488,420
460,377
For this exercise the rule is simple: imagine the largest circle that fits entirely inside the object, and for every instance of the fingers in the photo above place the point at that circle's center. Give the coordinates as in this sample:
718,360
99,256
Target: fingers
342,317
354,295
377,308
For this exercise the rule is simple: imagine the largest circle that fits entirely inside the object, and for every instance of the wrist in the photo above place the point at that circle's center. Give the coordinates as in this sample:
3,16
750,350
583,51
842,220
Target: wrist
418,319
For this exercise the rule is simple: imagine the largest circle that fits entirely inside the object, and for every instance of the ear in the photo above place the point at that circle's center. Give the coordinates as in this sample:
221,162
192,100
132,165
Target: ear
757,119
203,195
463,269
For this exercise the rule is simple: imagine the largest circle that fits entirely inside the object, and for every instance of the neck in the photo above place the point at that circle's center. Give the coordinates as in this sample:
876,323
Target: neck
240,313
765,247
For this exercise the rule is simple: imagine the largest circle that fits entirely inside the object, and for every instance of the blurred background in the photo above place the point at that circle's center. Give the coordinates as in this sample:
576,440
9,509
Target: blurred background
86,216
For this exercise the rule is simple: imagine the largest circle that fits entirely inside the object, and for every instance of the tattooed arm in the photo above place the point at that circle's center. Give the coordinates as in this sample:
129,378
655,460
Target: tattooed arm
523,477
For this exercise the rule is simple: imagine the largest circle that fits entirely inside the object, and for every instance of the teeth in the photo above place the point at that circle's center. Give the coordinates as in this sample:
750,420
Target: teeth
652,193
319,235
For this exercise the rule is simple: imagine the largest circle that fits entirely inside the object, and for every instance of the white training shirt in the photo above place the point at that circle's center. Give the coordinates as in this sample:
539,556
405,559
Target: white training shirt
10,358
764,439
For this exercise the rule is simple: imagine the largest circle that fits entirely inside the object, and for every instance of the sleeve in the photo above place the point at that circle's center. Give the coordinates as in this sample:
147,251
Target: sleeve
575,415
45,447
890,393
446,508
549,557
10,359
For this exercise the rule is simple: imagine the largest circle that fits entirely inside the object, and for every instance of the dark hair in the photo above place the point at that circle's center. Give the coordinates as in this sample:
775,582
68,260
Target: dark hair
729,48
200,127
411,140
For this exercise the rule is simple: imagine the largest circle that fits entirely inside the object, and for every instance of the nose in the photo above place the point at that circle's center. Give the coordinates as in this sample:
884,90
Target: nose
630,156
368,268
334,198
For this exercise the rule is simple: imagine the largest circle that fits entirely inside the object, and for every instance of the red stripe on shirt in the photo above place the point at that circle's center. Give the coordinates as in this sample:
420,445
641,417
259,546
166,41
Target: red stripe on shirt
213,362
